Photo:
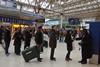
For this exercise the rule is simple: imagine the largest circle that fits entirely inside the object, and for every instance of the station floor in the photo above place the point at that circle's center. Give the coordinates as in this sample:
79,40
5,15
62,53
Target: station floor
17,61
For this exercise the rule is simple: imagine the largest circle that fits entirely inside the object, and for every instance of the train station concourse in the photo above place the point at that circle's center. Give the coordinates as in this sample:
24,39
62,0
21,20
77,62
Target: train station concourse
49,33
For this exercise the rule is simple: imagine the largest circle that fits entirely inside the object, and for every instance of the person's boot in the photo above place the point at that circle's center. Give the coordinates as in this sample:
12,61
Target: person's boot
84,62
53,59
39,59
70,59
66,59
80,61
7,54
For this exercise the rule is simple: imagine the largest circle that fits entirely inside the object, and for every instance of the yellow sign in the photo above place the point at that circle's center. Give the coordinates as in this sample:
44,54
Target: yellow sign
17,25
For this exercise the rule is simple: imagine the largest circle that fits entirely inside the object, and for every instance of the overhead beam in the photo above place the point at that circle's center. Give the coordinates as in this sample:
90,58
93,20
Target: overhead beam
83,12
24,4
66,8
86,5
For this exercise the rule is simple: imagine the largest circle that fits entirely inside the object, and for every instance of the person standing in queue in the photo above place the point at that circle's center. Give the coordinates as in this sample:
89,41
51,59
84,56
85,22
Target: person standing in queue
52,43
86,47
27,38
1,34
68,41
17,41
7,39
39,41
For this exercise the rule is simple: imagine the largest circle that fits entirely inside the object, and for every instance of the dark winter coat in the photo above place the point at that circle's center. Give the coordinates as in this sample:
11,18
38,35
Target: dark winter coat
7,35
86,45
69,41
27,35
17,38
1,34
53,39
27,38
39,38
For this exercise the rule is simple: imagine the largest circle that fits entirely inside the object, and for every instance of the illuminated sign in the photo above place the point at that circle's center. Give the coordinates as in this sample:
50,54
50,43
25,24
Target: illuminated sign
17,25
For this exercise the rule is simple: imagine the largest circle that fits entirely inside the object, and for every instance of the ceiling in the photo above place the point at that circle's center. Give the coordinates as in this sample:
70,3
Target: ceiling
58,8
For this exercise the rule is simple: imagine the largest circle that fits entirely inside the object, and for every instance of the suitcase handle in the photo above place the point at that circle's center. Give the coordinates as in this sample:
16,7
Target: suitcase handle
28,52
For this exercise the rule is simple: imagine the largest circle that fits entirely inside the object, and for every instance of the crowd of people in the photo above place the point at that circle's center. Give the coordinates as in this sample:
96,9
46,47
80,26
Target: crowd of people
53,35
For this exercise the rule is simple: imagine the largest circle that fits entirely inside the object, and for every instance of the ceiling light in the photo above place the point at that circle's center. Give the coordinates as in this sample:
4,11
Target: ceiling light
62,2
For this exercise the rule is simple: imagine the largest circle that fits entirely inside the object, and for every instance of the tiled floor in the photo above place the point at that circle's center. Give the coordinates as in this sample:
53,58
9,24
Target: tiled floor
18,61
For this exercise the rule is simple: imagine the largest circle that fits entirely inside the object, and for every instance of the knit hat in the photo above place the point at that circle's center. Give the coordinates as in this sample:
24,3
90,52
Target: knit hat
40,27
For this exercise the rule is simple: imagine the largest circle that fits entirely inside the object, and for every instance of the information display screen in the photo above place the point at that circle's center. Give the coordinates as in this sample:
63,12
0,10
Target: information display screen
73,21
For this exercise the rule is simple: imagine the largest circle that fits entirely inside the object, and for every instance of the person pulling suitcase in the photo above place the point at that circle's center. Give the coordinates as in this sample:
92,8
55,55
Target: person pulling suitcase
39,41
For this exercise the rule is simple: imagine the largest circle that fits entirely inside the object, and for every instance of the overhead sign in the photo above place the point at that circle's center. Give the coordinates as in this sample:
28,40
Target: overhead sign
8,3
14,20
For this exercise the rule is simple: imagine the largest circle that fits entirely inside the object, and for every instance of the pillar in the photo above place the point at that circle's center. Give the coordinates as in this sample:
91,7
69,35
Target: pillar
61,20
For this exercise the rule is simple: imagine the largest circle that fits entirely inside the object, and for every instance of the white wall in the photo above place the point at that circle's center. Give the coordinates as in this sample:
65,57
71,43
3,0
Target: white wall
83,23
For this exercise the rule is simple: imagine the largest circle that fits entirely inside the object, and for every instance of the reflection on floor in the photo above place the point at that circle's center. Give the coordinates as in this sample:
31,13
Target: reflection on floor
17,61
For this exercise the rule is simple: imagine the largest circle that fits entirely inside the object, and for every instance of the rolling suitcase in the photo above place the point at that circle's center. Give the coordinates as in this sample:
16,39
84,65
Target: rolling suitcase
30,53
